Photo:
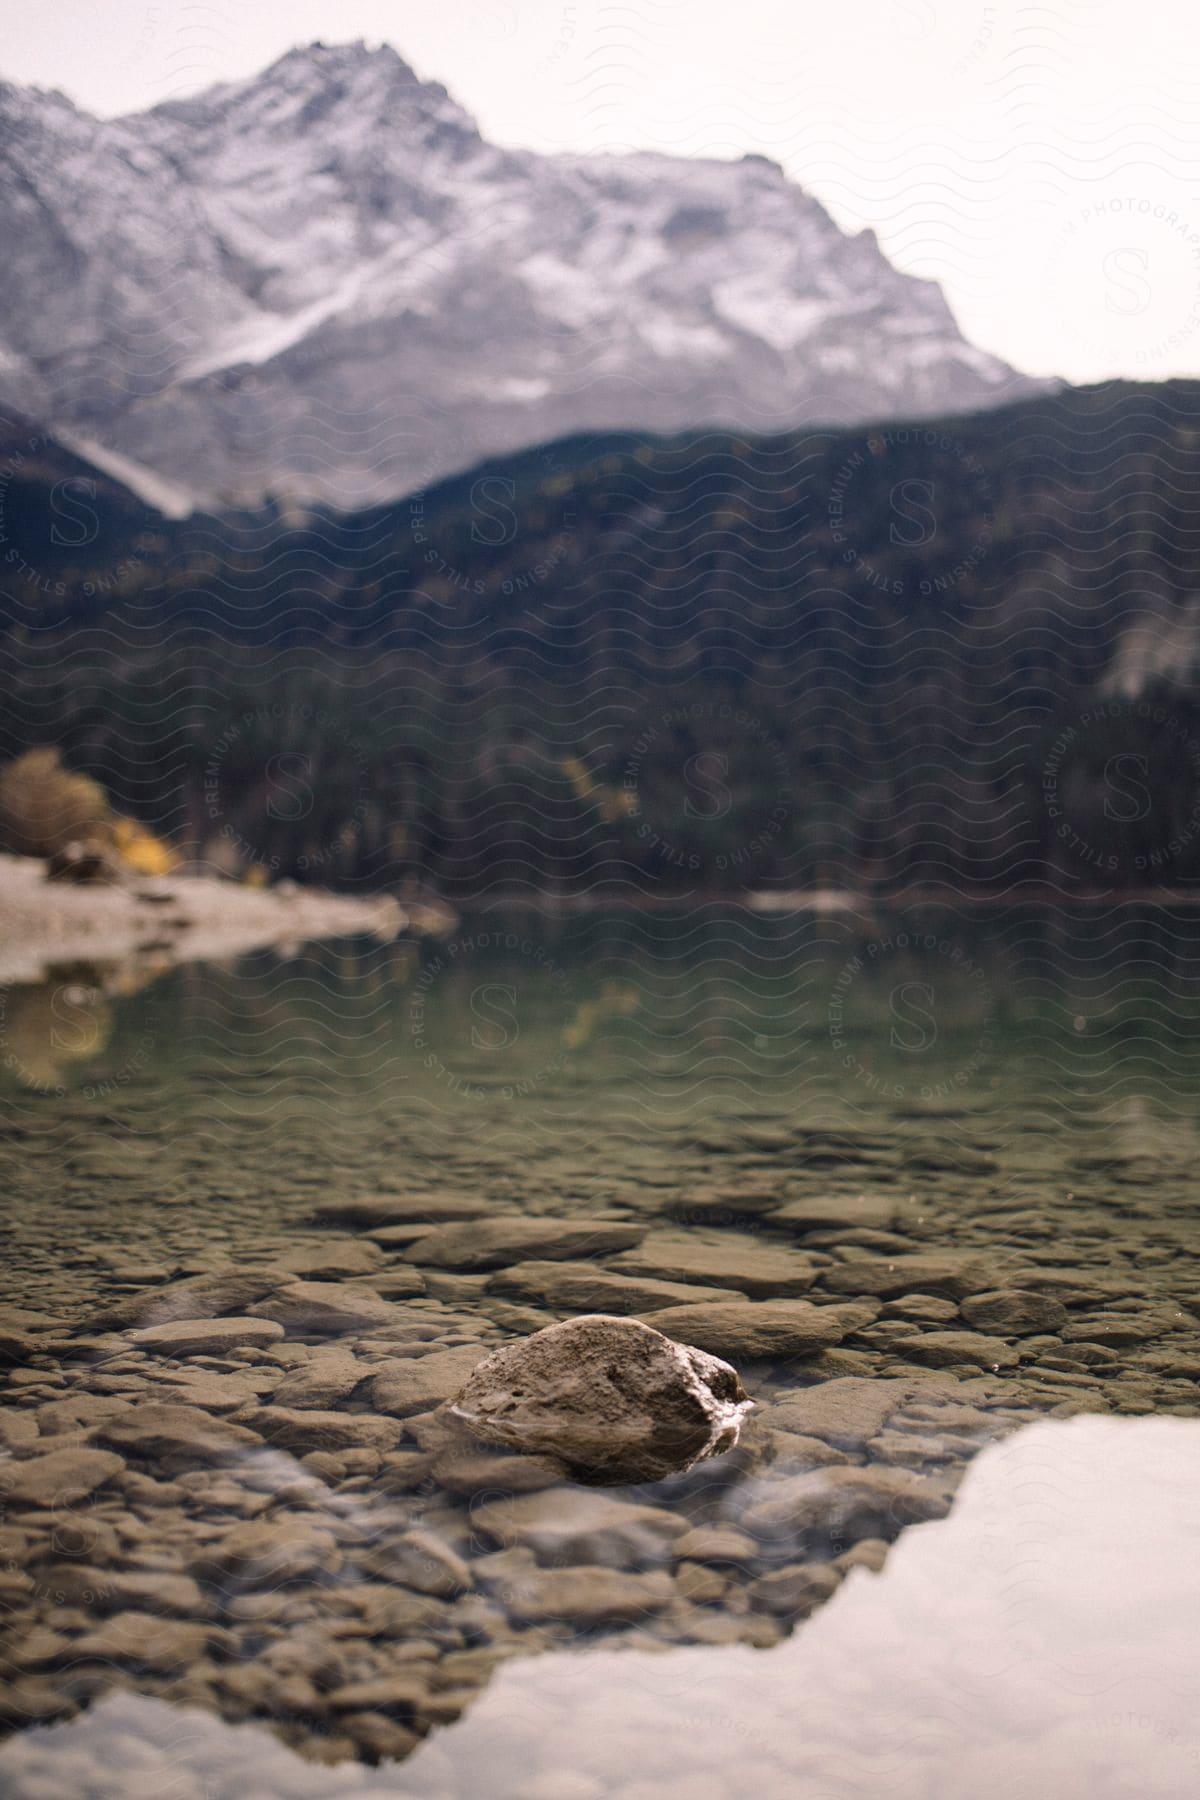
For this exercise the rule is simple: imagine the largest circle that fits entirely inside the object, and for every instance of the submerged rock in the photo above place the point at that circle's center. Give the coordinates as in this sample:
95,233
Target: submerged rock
577,1525
497,1242
764,1271
15,1346
796,1590
943,1349
59,1478
587,1596
425,1210
205,1337
1014,1312
145,1641
952,1272
874,1212
416,1384
838,1506
311,1428
613,1399
220,1291
764,1329
324,1379
581,1287
175,1437
847,1412
335,1259
326,1309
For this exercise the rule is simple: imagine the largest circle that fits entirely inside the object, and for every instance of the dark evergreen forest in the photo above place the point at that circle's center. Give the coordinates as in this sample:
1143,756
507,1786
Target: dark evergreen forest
956,652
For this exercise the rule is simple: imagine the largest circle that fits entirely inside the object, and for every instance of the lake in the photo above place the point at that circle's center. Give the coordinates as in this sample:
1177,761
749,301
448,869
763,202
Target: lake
963,1139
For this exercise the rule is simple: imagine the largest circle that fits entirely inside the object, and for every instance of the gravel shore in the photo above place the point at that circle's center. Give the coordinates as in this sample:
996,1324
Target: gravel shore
187,917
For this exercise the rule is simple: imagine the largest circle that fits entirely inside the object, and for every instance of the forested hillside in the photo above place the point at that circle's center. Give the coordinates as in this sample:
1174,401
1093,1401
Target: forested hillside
958,652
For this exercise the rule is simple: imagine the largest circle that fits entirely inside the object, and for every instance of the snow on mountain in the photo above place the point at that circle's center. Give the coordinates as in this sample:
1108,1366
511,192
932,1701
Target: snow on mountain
323,282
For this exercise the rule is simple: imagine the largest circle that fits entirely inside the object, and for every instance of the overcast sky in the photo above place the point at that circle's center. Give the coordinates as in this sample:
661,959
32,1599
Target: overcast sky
1042,161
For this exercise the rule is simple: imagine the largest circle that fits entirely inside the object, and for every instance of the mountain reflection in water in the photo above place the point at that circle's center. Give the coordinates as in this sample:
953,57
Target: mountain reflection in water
1043,1641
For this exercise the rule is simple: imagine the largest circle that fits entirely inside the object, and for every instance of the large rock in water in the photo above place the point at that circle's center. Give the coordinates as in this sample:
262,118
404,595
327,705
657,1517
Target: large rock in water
612,1399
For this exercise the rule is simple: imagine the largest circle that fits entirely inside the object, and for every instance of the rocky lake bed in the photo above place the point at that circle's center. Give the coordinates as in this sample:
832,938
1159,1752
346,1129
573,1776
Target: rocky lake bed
232,1477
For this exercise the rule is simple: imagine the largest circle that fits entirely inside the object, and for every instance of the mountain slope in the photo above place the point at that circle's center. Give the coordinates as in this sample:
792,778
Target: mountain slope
710,661
323,282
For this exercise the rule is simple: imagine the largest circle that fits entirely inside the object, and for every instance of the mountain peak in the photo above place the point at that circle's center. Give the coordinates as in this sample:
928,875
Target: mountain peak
334,58
371,84
321,282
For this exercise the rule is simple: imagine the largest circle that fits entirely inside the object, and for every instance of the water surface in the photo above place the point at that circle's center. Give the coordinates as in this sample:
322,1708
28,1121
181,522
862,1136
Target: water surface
1016,1093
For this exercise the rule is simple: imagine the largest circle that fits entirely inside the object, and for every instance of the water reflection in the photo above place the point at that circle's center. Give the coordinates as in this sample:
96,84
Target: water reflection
925,1017
55,1031
1042,1640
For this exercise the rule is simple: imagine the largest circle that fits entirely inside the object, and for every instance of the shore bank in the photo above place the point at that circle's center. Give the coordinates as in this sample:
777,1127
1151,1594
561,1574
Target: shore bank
184,918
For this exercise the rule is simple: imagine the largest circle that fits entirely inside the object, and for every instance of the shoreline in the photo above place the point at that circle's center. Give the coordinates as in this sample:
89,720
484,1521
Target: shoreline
197,917
179,918
823,902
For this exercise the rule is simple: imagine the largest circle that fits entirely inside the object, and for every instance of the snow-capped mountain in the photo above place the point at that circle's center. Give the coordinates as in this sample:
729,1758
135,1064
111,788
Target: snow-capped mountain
323,282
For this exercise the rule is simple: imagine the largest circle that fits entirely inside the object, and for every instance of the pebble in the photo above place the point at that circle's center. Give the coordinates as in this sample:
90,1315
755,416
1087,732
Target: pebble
792,1450
949,1272
927,1309
417,1383
468,1469
795,1590
266,1553
285,1428
716,1544
759,1329
204,1337
403,1693
419,1560
58,1478
868,1553
587,1596
226,1290
324,1378
174,1437
217,1393
16,1346
327,1308
152,1590
872,1212
1118,1330
723,1206
846,1412
1014,1312
494,1242
145,1640
764,1271
334,1259
845,1502
944,1349
584,1288
581,1525
699,1585
17,1426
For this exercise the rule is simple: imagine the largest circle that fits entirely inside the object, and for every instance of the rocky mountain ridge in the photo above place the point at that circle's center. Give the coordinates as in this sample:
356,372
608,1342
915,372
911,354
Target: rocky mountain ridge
322,282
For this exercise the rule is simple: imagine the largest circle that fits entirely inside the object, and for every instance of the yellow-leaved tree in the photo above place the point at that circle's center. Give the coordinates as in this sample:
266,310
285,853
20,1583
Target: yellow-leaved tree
49,810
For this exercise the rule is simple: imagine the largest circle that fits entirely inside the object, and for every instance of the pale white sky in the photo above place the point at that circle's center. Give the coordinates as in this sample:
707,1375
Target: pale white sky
1042,161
